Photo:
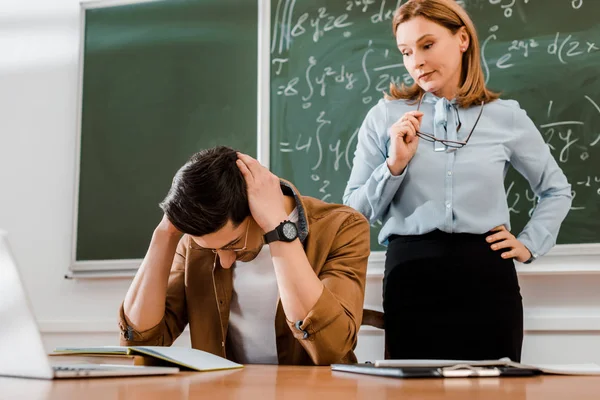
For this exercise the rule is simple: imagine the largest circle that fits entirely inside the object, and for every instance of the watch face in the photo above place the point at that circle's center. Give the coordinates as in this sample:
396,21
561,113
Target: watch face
289,231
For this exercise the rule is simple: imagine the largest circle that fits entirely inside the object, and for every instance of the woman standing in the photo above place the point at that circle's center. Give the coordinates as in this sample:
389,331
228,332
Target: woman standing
430,164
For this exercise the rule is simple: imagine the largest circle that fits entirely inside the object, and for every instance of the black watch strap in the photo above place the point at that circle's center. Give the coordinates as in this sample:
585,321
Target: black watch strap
272,236
287,231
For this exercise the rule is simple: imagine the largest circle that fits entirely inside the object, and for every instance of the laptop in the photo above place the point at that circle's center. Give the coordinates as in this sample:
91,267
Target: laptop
22,352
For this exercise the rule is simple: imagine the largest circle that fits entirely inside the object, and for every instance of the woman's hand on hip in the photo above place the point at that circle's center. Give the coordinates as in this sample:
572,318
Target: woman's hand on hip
403,141
502,239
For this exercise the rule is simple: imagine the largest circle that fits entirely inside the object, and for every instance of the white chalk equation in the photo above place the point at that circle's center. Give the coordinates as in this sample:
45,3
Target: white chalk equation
371,77
567,139
564,47
508,6
294,19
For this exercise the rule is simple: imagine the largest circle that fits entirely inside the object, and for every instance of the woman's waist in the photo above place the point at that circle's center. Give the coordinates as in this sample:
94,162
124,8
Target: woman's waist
438,235
439,226
452,247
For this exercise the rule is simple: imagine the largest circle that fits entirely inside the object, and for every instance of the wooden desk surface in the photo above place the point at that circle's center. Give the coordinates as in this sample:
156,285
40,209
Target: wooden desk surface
272,382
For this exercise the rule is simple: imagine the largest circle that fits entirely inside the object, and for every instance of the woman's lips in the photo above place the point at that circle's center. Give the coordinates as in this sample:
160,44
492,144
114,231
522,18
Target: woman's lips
425,76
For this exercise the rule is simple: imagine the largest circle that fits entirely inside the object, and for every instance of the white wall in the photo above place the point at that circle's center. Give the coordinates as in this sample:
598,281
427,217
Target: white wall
38,92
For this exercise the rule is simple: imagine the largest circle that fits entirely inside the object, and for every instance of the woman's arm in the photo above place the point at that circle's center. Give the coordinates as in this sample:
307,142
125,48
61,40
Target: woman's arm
377,175
531,157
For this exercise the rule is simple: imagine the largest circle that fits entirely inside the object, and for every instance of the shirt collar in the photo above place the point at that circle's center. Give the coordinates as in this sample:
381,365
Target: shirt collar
288,189
442,106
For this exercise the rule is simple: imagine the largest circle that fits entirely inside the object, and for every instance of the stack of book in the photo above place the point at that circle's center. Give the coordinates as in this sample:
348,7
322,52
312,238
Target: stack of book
113,359
185,358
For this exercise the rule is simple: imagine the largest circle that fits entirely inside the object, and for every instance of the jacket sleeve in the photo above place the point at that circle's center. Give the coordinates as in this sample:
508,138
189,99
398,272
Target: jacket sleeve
371,186
330,330
175,319
531,157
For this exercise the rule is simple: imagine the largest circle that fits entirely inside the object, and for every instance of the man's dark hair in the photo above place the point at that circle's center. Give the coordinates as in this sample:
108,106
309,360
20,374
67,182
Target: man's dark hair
207,192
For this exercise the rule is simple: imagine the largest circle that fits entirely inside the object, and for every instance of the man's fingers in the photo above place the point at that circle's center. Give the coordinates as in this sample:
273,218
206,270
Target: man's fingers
244,170
246,158
251,163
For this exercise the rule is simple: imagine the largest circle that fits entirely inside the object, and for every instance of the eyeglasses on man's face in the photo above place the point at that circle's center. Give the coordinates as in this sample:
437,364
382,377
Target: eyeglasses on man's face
455,144
231,248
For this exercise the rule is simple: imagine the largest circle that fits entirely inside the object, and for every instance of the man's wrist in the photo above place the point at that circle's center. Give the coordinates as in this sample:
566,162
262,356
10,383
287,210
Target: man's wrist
166,234
273,223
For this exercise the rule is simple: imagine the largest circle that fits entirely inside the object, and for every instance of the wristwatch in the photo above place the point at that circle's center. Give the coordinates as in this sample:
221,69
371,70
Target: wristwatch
285,231
533,257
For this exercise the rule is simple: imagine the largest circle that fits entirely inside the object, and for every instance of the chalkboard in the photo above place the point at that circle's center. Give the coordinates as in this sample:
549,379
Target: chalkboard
331,60
160,81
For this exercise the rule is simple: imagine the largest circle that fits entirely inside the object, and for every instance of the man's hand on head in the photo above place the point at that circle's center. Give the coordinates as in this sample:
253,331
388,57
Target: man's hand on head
265,197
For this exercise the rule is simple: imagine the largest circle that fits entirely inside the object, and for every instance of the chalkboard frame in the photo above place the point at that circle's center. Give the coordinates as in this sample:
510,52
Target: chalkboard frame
128,267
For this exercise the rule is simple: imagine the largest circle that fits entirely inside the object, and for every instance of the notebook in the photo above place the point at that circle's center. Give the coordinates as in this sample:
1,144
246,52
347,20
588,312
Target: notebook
113,359
193,359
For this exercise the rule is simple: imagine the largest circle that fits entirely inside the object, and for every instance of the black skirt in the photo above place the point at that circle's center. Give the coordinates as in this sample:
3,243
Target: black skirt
449,296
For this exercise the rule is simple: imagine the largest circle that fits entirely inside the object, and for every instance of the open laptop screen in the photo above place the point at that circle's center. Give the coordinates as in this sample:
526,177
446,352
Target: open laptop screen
21,345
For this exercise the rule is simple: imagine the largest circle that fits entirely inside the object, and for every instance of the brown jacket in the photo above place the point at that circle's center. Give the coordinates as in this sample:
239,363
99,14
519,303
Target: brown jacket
336,242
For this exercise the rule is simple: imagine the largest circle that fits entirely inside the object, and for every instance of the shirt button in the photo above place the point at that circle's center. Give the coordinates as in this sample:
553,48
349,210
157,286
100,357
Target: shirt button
448,205
449,173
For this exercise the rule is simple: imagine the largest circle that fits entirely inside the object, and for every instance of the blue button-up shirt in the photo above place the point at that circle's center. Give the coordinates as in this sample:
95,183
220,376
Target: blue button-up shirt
457,190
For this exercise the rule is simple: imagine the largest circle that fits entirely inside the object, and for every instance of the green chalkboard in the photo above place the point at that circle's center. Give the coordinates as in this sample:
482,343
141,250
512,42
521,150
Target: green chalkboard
331,60
160,81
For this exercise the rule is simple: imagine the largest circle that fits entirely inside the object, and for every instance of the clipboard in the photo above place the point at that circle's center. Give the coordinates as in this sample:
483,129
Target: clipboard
454,371
550,369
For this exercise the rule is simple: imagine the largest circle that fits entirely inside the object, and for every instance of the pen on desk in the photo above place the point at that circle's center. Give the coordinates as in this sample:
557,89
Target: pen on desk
468,372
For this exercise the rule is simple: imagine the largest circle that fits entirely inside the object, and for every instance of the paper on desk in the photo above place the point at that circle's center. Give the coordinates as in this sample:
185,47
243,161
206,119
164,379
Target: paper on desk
569,369
186,357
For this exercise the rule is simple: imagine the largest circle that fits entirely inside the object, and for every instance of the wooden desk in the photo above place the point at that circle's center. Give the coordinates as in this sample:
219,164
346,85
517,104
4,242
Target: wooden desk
302,383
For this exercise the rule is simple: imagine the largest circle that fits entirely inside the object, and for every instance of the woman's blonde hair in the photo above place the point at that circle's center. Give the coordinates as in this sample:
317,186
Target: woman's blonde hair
449,14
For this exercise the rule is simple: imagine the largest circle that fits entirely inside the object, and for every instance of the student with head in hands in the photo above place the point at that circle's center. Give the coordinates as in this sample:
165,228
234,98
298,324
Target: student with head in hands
260,274
430,164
